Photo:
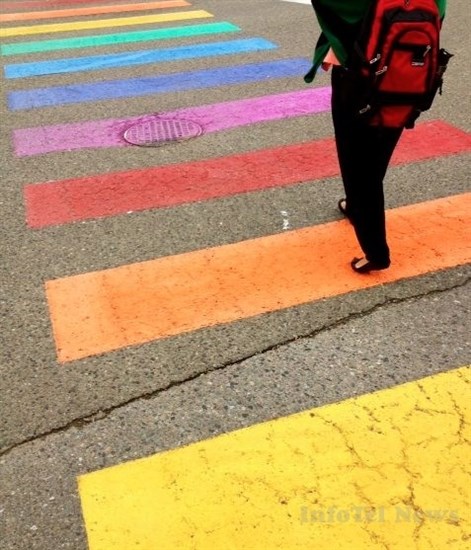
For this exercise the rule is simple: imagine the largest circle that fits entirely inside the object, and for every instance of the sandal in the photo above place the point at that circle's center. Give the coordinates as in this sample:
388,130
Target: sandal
362,265
342,206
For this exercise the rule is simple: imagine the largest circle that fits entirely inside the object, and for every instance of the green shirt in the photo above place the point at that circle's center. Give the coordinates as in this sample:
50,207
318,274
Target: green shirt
349,14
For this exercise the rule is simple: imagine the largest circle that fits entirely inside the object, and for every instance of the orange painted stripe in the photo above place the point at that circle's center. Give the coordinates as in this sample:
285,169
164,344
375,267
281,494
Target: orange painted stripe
102,311
94,10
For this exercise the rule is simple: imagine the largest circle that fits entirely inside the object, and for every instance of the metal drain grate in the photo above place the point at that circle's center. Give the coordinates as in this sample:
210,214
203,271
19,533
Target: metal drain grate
158,132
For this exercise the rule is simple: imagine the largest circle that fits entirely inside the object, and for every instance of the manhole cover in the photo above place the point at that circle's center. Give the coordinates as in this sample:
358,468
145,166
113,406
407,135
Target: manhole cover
154,133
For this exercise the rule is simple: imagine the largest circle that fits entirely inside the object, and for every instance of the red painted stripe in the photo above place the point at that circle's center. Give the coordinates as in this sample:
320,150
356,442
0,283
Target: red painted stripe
111,194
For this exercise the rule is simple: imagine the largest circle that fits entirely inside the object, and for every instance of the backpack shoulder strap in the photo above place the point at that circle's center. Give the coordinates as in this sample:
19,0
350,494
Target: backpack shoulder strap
331,23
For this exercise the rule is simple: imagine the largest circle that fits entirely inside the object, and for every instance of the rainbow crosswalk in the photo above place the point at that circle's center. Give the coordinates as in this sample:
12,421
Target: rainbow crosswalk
95,313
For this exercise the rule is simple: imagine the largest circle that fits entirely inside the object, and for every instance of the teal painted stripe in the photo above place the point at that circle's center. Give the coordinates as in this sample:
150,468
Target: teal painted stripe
118,38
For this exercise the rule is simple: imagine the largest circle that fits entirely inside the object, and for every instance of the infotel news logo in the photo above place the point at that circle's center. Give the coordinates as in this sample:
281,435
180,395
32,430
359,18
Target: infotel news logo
382,514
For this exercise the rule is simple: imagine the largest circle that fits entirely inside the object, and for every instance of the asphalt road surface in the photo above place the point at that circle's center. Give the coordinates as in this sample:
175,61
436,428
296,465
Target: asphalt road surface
155,298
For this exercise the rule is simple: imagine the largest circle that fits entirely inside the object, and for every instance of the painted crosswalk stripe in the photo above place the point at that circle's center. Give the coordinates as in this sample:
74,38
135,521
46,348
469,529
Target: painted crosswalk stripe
98,312
32,4
94,41
104,23
105,195
227,75
391,476
137,58
95,10
213,118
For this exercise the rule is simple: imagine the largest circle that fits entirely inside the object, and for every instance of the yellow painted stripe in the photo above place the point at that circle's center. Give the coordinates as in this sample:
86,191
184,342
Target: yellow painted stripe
385,470
105,23
102,311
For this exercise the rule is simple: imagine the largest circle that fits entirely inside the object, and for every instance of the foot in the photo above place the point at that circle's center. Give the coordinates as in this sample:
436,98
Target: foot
362,265
342,206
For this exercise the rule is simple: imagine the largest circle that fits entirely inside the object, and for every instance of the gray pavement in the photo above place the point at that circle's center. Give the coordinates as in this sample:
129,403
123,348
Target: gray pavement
58,421
361,354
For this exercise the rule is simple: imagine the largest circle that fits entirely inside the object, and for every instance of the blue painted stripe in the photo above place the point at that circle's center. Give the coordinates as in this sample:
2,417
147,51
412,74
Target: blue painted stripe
142,57
174,82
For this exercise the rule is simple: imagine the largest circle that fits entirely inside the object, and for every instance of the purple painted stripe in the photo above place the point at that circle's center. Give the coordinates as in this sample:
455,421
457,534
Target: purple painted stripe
213,118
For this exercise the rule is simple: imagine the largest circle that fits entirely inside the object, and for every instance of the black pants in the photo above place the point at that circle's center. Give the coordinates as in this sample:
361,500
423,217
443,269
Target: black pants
364,153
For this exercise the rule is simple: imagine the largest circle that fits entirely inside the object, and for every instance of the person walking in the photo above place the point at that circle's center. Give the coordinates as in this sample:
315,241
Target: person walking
364,149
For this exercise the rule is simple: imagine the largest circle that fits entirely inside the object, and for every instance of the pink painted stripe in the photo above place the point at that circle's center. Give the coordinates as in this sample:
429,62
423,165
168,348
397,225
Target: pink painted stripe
55,203
213,118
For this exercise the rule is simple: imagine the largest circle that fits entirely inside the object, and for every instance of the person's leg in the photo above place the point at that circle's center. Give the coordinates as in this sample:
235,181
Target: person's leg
373,155
364,153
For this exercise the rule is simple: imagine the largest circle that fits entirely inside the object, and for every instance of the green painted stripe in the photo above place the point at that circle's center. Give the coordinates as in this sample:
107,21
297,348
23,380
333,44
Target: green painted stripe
119,38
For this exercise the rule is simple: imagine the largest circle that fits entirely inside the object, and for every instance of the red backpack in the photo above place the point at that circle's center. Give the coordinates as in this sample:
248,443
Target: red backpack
399,58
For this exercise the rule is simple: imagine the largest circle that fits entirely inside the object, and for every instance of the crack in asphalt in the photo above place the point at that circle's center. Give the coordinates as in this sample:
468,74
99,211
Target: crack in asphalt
104,413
